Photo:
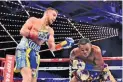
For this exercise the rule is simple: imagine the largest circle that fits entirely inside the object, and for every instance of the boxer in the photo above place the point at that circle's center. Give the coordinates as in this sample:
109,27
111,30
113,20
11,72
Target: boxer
86,58
35,32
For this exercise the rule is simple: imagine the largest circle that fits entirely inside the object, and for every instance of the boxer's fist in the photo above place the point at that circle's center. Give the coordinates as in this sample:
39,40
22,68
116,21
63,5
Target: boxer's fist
33,34
105,68
83,74
41,35
106,73
78,64
69,43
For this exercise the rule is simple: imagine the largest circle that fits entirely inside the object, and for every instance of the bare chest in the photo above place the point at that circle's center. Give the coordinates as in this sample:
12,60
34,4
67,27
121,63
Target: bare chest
38,27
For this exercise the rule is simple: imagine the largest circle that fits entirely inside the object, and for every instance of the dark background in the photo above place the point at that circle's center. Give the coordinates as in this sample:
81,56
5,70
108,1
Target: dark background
100,21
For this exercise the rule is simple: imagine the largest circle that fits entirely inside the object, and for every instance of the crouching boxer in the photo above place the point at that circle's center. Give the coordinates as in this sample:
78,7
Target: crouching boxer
88,63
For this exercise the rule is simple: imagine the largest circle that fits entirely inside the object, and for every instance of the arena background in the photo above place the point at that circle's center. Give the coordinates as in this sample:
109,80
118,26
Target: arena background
100,21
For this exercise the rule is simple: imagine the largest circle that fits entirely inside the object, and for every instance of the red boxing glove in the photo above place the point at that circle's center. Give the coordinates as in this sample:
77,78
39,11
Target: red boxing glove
60,45
33,34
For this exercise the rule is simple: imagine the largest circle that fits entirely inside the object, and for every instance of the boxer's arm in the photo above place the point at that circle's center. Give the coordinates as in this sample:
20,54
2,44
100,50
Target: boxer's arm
27,27
72,56
62,45
51,40
107,73
98,59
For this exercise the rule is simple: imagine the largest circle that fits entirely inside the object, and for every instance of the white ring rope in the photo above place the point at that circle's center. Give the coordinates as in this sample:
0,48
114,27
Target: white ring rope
58,42
74,27
67,68
54,78
118,79
8,33
45,49
24,8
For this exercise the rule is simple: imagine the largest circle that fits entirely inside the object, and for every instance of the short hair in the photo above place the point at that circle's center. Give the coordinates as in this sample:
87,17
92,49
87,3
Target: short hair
84,41
50,8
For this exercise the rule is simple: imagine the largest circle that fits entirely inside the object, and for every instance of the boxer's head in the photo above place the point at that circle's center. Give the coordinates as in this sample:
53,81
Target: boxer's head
84,45
50,15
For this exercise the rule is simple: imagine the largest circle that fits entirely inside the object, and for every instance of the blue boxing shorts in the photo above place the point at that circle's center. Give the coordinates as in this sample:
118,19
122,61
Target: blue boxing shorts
27,55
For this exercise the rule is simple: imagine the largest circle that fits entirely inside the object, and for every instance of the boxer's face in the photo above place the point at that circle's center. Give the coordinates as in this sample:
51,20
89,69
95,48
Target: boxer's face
52,14
85,50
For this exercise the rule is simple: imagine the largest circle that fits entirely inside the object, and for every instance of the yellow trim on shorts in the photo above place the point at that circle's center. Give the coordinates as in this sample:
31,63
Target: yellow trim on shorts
38,62
27,61
27,57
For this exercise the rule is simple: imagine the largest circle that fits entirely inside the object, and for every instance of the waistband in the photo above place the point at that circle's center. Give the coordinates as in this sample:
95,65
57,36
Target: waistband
33,45
28,43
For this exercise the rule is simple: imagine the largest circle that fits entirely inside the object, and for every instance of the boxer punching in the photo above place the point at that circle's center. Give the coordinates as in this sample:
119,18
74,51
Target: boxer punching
35,32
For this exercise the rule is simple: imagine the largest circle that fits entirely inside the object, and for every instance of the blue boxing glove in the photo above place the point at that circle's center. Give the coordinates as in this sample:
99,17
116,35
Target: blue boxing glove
69,44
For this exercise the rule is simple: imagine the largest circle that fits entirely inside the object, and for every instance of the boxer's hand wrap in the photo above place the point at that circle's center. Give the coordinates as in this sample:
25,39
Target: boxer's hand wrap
69,42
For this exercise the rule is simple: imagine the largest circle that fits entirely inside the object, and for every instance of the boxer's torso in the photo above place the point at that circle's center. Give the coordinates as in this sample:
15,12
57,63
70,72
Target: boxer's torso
39,26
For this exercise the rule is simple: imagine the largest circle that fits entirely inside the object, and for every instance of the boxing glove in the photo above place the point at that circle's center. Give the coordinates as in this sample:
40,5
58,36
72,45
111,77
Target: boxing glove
69,42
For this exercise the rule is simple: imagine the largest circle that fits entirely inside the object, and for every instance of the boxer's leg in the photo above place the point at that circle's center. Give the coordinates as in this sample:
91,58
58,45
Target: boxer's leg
35,58
107,74
26,73
74,79
23,65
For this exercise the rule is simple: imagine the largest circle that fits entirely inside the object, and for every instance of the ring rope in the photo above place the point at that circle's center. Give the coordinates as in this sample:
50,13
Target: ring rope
57,68
118,79
49,49
67,59
42,78
8,33
67,68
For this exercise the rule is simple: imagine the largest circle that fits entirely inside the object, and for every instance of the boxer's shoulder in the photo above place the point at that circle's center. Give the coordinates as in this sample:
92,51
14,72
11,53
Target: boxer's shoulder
95,48
50,29
32,18
75,50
